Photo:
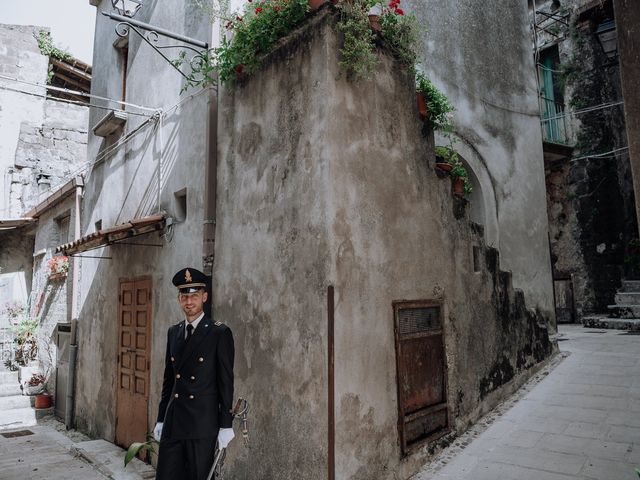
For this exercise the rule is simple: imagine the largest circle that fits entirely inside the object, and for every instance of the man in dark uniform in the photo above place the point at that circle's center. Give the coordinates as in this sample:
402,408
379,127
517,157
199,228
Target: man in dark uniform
197,391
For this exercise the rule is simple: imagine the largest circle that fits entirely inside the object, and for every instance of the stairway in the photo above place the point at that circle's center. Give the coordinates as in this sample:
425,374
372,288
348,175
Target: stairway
625,314
15,408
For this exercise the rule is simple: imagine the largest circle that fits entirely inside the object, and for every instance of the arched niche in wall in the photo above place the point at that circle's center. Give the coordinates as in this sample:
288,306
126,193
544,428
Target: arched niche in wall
482,209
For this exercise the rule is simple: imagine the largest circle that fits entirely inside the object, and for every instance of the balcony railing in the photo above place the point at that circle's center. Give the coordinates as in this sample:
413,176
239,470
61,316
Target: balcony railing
554,122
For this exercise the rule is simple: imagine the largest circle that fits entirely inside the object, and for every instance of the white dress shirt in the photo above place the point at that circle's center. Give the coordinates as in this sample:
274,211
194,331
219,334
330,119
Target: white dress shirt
194,323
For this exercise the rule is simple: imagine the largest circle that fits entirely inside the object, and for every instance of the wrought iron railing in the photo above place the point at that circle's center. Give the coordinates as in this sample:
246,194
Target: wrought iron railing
554,122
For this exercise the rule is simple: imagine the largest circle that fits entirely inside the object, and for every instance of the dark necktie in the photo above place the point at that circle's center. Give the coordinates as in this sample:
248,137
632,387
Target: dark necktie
189,332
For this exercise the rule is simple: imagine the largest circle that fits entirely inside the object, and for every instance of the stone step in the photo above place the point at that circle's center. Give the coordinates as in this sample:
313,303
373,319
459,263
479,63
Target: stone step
612,323
624,311
630,286
10,389
628,298
13,402
16,418
7,376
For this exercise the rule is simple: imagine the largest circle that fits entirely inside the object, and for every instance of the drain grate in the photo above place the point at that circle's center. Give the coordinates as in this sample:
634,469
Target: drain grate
18,433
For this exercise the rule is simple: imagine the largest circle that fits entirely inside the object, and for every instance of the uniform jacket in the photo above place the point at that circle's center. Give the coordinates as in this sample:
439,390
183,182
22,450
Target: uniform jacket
197,390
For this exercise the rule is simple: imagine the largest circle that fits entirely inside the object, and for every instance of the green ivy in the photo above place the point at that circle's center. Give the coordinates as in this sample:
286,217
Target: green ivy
48,49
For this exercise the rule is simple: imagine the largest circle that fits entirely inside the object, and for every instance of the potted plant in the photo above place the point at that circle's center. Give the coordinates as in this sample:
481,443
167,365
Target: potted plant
26,345
445,157
433,104
58,267
35,384
448,160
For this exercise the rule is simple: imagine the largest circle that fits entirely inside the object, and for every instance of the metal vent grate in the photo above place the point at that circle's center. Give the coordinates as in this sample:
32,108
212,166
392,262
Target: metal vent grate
418,320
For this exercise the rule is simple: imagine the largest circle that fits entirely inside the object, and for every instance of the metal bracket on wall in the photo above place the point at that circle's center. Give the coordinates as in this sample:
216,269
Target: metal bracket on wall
150,34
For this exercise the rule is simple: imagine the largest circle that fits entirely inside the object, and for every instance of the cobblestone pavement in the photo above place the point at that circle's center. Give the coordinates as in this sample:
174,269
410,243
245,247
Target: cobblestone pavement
579,420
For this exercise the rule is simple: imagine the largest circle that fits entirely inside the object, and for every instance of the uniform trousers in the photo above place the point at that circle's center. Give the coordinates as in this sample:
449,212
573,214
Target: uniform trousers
185,459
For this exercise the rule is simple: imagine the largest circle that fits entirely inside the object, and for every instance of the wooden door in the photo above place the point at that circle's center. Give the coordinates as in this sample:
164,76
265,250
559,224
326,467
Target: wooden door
134,350
421,373
563,293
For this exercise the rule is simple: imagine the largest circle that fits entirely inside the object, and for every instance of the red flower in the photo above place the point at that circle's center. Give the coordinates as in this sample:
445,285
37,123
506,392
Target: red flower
258,10
239,19
277,8
229,25
399,11
239,69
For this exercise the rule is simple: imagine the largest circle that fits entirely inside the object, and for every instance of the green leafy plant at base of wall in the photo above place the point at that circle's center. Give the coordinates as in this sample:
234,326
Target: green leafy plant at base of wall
136,447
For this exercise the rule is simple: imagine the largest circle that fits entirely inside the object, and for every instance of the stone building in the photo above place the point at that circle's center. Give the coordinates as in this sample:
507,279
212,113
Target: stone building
42,144
340,259
590,193
143,218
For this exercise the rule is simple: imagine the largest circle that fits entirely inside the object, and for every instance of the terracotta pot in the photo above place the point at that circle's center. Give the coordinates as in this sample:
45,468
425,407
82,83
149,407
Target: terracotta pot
422,104
374,21
43,400
313,4
458,187
444,166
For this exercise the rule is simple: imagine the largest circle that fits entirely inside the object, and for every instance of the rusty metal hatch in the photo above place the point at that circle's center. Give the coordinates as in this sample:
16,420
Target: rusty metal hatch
421,372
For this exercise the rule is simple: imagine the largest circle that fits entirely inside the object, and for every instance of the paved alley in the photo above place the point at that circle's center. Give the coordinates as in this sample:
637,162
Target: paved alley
46,452
581,421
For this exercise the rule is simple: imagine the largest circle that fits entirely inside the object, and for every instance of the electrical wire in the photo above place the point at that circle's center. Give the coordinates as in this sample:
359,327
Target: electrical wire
63,100
601,155
583,110
79,93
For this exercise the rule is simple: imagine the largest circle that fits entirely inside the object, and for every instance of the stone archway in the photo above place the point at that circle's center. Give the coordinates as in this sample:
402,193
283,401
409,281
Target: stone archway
483,208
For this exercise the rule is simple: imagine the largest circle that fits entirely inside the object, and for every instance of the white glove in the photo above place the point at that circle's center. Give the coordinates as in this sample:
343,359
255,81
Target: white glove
157,431
225,435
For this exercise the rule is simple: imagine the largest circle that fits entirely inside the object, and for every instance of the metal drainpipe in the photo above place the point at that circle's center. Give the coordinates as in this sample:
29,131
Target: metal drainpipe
69,419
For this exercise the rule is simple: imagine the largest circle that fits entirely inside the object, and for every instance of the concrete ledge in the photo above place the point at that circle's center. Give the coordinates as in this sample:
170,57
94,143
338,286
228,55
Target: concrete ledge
108,459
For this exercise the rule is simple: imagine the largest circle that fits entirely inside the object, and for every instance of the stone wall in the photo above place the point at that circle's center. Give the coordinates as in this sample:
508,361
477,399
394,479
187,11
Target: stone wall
479,54
590,197
20,59
324,182
47,154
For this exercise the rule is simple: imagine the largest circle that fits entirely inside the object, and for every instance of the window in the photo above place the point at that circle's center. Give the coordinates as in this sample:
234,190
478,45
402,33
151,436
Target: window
554,127
181,205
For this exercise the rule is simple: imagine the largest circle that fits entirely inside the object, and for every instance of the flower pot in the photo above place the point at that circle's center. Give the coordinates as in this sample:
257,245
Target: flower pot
43,400
313,4
57,276
458,187
422,104
444,166
374,21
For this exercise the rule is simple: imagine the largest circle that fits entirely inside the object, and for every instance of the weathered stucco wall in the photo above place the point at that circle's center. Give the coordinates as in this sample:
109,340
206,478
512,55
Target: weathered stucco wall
324,182
479,54
136,179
